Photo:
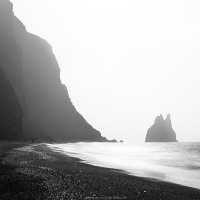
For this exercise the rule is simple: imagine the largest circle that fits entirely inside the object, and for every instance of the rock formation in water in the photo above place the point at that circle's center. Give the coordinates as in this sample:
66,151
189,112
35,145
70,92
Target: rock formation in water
31,86
161,131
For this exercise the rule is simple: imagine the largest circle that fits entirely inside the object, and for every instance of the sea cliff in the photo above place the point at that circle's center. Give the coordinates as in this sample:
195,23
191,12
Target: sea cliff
32,73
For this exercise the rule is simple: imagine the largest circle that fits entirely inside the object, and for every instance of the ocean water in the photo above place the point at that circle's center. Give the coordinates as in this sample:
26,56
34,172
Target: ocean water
171,162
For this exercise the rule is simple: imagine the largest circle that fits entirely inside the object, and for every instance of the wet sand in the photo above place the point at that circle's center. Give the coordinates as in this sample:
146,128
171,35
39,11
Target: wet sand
33,171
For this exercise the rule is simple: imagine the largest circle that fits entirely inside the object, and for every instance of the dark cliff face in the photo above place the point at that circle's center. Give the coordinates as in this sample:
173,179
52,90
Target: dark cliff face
161,131
34,74
10,111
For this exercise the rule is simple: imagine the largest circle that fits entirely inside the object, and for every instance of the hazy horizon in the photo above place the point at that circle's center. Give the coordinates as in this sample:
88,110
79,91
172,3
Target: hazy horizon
125,62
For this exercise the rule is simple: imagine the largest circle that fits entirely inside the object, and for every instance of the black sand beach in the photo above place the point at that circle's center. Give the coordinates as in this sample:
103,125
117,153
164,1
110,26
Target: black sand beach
33,171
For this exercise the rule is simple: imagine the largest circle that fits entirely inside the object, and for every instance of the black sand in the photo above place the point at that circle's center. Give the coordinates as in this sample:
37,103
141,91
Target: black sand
35,172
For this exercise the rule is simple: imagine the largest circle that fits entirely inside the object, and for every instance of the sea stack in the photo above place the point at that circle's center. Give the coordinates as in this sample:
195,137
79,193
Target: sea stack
161,131
34,103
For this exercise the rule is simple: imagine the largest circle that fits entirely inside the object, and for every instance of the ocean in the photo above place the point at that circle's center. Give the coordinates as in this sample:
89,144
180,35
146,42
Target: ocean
172,162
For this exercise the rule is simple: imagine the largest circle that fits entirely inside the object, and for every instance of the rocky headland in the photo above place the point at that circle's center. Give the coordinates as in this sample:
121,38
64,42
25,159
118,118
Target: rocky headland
34,103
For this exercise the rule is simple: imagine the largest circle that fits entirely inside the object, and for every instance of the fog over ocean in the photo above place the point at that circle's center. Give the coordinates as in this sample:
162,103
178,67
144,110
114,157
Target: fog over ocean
173,162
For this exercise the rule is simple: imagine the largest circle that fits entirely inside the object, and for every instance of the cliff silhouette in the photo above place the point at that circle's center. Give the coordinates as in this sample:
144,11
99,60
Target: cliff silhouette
35,102
161,131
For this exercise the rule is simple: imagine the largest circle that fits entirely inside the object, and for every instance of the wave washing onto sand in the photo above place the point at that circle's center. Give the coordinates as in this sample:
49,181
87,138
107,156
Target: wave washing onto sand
174,162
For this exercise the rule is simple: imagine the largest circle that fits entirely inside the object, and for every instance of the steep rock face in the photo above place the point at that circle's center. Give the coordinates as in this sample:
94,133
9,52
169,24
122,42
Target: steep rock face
161,131
10,111
34,74
168,125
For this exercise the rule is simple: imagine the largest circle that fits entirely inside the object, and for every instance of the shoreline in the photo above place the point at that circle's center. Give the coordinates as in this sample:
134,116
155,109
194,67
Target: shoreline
34,171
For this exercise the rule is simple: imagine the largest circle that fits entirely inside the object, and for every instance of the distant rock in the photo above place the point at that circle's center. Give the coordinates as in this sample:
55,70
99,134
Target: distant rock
114,141
161,131
121,141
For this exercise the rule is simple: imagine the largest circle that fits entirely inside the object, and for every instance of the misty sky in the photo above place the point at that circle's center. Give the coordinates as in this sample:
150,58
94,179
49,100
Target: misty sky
124,61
